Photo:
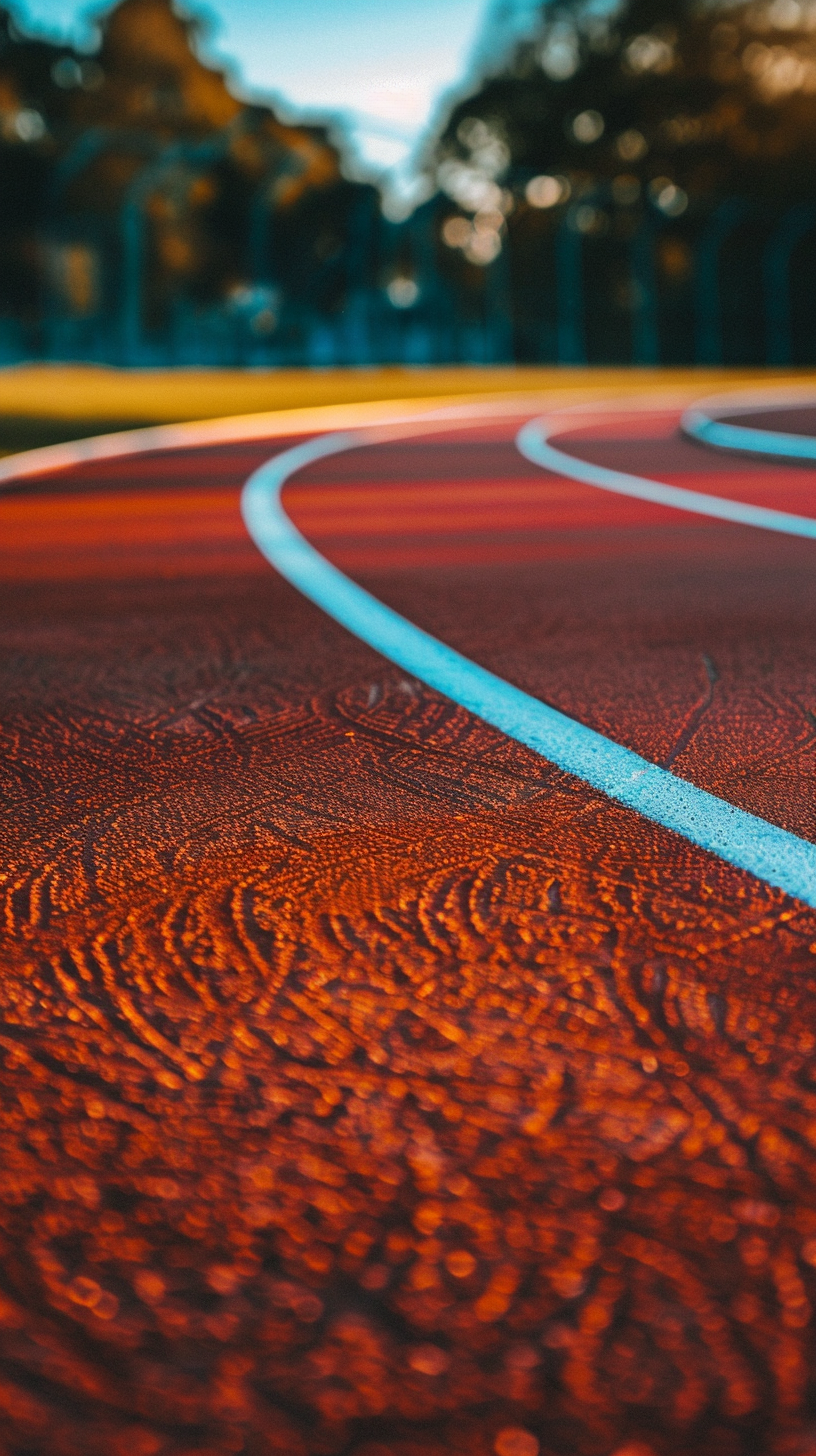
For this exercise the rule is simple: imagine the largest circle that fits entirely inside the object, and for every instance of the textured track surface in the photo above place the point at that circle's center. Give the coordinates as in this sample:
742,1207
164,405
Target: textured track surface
368,1085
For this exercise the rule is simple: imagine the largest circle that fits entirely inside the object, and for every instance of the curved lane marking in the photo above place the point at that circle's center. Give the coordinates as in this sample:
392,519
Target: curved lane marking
456,411
699,423
533,442
743,840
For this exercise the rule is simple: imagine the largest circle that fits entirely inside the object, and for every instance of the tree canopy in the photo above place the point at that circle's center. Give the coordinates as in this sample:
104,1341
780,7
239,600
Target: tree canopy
714,99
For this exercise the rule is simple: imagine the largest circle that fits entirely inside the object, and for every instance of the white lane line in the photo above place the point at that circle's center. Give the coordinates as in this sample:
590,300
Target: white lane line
699,423
772,854
534,444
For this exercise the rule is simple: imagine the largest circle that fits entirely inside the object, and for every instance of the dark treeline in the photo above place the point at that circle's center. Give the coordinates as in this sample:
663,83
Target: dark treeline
141,201
658,172
637,184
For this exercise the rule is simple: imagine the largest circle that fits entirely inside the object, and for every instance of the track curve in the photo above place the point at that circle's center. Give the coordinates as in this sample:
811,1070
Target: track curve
370,1085
749,843
781,431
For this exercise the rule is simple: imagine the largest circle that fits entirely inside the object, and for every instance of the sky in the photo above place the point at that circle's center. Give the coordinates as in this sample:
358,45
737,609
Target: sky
384,64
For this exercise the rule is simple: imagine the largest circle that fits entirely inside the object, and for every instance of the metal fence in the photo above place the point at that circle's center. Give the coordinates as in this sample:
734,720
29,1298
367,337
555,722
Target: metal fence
589,282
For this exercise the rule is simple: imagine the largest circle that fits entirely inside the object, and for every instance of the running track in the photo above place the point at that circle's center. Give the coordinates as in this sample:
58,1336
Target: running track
372,1086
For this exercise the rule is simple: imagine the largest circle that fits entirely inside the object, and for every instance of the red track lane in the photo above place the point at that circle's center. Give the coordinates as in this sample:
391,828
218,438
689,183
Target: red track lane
371,1088
687,639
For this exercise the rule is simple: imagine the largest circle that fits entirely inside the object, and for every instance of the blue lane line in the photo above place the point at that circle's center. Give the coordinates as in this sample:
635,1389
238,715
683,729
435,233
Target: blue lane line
700,426
749,843
533,443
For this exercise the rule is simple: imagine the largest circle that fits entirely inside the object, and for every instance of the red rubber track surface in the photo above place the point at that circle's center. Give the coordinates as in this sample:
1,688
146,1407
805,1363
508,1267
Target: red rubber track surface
370,1086
794,420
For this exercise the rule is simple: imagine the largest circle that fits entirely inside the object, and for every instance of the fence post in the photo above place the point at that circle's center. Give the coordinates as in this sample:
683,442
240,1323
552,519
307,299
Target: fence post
433,304
569,284
359,263
196,155
645,330
499,309
132,261
260,229
708,302
260,216
85,150
794,226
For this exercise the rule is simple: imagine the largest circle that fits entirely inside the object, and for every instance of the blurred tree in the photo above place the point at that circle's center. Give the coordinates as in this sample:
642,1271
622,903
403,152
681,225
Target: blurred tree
722,97
134,179
628,118
25,85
